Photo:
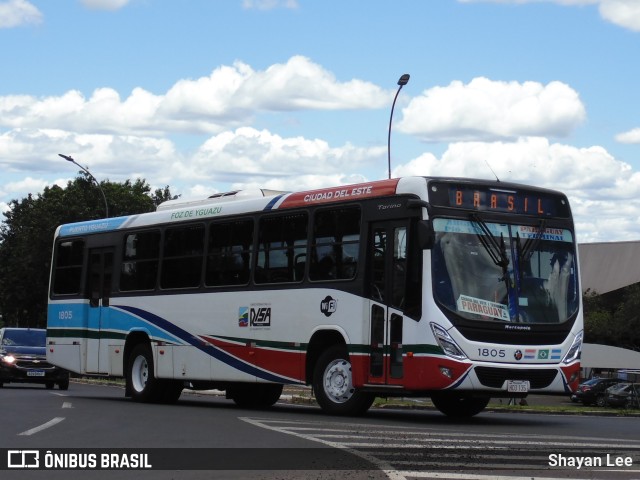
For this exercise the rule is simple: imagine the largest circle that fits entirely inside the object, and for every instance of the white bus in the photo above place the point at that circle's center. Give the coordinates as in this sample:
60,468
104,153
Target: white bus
455,289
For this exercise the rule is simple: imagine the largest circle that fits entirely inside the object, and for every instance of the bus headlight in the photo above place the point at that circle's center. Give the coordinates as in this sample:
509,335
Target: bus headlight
574,351
447,343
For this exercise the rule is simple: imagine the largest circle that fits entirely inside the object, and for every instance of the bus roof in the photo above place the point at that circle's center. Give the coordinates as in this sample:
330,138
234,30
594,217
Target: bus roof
240,202
234,203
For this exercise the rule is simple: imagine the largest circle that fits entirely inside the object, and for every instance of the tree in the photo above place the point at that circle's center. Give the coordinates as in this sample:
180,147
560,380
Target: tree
26,237
598,319
627,319
613,318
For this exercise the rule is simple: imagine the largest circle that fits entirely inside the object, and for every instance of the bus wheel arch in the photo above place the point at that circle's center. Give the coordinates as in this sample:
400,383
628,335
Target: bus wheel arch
133,340
333,384
320,341
140,378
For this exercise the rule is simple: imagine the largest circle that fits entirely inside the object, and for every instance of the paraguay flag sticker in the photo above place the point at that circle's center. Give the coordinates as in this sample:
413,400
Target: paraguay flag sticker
243,317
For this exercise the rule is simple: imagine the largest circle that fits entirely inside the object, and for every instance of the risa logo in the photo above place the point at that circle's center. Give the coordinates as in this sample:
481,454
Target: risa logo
328,306
255,316
260,316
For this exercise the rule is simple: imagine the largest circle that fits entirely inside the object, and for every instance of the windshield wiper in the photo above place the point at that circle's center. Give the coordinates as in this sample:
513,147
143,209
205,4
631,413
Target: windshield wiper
526,251
497,251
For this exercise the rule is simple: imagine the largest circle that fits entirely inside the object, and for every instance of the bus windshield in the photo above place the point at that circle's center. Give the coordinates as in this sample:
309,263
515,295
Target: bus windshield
505,272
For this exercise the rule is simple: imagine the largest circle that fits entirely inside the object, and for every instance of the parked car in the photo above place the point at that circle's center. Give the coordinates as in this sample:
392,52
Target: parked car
625,395
23,359
593,391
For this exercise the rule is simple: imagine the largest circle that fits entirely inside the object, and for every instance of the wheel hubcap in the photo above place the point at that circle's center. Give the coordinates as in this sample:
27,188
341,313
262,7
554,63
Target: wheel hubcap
139,373
337,381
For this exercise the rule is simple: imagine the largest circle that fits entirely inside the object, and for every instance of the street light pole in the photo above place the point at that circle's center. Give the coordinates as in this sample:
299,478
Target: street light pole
69,159
404,79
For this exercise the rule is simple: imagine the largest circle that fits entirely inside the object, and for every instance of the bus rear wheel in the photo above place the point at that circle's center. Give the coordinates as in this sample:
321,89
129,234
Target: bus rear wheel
141,381
458,405
333,384
261,395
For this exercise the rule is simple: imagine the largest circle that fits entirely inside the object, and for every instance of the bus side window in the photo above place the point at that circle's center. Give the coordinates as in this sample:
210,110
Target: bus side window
378,281
229,253
282,246
67,274
140,260
335,245
182,256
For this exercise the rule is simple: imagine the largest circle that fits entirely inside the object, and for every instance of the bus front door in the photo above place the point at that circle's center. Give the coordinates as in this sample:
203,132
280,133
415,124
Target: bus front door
387,284
99,291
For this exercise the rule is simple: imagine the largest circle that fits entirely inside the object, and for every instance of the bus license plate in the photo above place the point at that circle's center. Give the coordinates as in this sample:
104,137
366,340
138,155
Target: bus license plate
518,386
35,373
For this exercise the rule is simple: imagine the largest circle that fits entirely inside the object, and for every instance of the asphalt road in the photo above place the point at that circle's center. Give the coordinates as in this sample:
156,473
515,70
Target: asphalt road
206,436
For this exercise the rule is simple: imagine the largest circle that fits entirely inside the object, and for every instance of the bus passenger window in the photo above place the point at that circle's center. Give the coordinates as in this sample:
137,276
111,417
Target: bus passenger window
67,274
282,248
140,257
229,253
182,257
336,244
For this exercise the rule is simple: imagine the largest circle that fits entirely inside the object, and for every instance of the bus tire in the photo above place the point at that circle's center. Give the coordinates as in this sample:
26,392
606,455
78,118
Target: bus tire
333,384
261,395
140,378
64,384
458,405
169,391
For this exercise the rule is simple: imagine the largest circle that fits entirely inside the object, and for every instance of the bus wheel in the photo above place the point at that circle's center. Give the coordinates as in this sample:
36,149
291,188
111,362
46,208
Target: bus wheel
140,376
262,395
170,391
333,384
64,384
457,405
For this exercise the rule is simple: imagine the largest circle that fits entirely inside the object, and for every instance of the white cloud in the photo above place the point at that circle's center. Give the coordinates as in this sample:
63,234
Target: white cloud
106,155
603,191
229,97
632,136
624,13
104,4
485,109
269,4
234,156
14,13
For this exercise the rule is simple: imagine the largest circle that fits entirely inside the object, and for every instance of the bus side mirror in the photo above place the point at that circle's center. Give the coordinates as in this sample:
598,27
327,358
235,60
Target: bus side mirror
426,235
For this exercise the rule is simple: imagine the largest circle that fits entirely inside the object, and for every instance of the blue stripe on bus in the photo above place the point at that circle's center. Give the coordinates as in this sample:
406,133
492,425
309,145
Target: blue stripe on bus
92,226
200,345
272,202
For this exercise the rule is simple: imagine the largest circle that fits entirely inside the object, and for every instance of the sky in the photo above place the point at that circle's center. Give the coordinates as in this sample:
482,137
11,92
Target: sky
209,96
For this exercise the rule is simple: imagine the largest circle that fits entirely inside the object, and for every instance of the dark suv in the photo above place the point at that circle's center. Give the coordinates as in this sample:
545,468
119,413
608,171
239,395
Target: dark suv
23,359
593,391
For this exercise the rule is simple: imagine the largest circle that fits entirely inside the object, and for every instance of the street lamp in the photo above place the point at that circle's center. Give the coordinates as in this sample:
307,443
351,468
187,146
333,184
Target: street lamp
404,79
69,159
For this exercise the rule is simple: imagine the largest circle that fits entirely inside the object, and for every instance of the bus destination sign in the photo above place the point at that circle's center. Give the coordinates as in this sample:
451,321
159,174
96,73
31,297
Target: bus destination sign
491,199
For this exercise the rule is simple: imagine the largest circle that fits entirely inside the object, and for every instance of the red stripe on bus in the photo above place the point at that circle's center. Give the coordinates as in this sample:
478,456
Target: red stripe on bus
358,191
289,364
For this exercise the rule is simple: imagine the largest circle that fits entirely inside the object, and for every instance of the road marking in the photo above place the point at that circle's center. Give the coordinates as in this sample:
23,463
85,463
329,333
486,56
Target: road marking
380,464
42,427
395,451
67,405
